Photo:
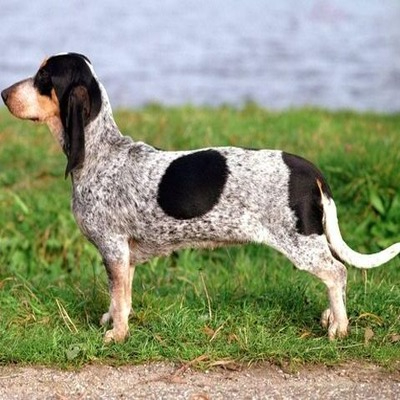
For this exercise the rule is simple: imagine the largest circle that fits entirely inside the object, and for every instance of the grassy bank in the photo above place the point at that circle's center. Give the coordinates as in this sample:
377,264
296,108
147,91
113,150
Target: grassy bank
241,304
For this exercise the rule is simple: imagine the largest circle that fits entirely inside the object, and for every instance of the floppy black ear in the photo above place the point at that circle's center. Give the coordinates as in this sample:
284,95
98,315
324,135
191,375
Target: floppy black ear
78,110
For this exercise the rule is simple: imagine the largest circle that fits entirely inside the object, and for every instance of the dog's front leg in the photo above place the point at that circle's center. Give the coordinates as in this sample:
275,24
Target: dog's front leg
107,317
119,278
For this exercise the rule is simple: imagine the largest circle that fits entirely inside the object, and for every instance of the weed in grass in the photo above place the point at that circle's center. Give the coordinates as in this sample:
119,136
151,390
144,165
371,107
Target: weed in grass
241,303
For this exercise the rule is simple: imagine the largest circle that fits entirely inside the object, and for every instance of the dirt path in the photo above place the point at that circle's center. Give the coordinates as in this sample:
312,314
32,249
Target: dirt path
166,381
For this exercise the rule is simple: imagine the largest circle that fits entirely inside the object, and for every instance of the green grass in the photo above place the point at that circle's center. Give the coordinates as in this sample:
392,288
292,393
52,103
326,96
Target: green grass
242,304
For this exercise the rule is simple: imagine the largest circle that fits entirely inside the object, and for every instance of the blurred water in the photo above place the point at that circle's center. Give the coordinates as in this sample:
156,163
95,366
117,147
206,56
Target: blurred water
330,53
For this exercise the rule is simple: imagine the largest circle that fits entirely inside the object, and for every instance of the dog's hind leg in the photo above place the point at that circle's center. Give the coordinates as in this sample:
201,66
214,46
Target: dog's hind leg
335,317
312,254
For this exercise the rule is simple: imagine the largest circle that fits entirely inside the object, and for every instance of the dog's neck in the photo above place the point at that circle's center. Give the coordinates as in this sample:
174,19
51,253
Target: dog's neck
56,129
103,129
100,132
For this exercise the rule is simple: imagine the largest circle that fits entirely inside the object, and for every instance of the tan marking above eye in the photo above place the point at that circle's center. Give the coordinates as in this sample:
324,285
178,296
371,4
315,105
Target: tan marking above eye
44,62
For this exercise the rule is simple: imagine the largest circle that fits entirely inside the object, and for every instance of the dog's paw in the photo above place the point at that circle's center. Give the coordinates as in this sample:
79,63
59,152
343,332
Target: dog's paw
336,328
324,318
105,319
115,335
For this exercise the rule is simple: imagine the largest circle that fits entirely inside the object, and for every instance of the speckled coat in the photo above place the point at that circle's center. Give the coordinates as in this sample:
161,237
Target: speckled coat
134,202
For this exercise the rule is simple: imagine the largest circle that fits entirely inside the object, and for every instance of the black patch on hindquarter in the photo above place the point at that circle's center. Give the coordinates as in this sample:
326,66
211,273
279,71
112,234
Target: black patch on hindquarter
192,184
304,194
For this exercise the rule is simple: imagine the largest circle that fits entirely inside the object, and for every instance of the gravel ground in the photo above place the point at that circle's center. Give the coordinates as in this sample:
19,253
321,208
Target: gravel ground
166,381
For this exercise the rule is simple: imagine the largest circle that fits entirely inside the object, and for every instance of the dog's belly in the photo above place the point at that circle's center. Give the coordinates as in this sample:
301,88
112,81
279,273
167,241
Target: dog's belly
230,222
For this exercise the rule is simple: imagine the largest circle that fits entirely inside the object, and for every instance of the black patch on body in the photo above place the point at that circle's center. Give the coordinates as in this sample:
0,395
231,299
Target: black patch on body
304,194
193,184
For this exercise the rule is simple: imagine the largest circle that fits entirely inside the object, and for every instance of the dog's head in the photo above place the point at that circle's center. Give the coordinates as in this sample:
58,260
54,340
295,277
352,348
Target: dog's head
65,94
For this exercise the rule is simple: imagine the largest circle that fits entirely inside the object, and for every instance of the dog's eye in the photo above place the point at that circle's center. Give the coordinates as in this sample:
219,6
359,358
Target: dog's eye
43,81
43,75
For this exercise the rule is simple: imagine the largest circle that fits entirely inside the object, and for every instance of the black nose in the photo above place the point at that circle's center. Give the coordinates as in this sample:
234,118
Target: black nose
4,95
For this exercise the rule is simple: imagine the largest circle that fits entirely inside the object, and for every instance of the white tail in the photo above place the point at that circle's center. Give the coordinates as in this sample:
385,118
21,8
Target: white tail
342,250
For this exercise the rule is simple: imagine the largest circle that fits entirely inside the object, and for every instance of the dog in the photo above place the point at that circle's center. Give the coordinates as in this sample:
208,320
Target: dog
134,202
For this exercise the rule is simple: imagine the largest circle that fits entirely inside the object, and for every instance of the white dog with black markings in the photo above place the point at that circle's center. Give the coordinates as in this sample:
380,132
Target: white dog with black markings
135,202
